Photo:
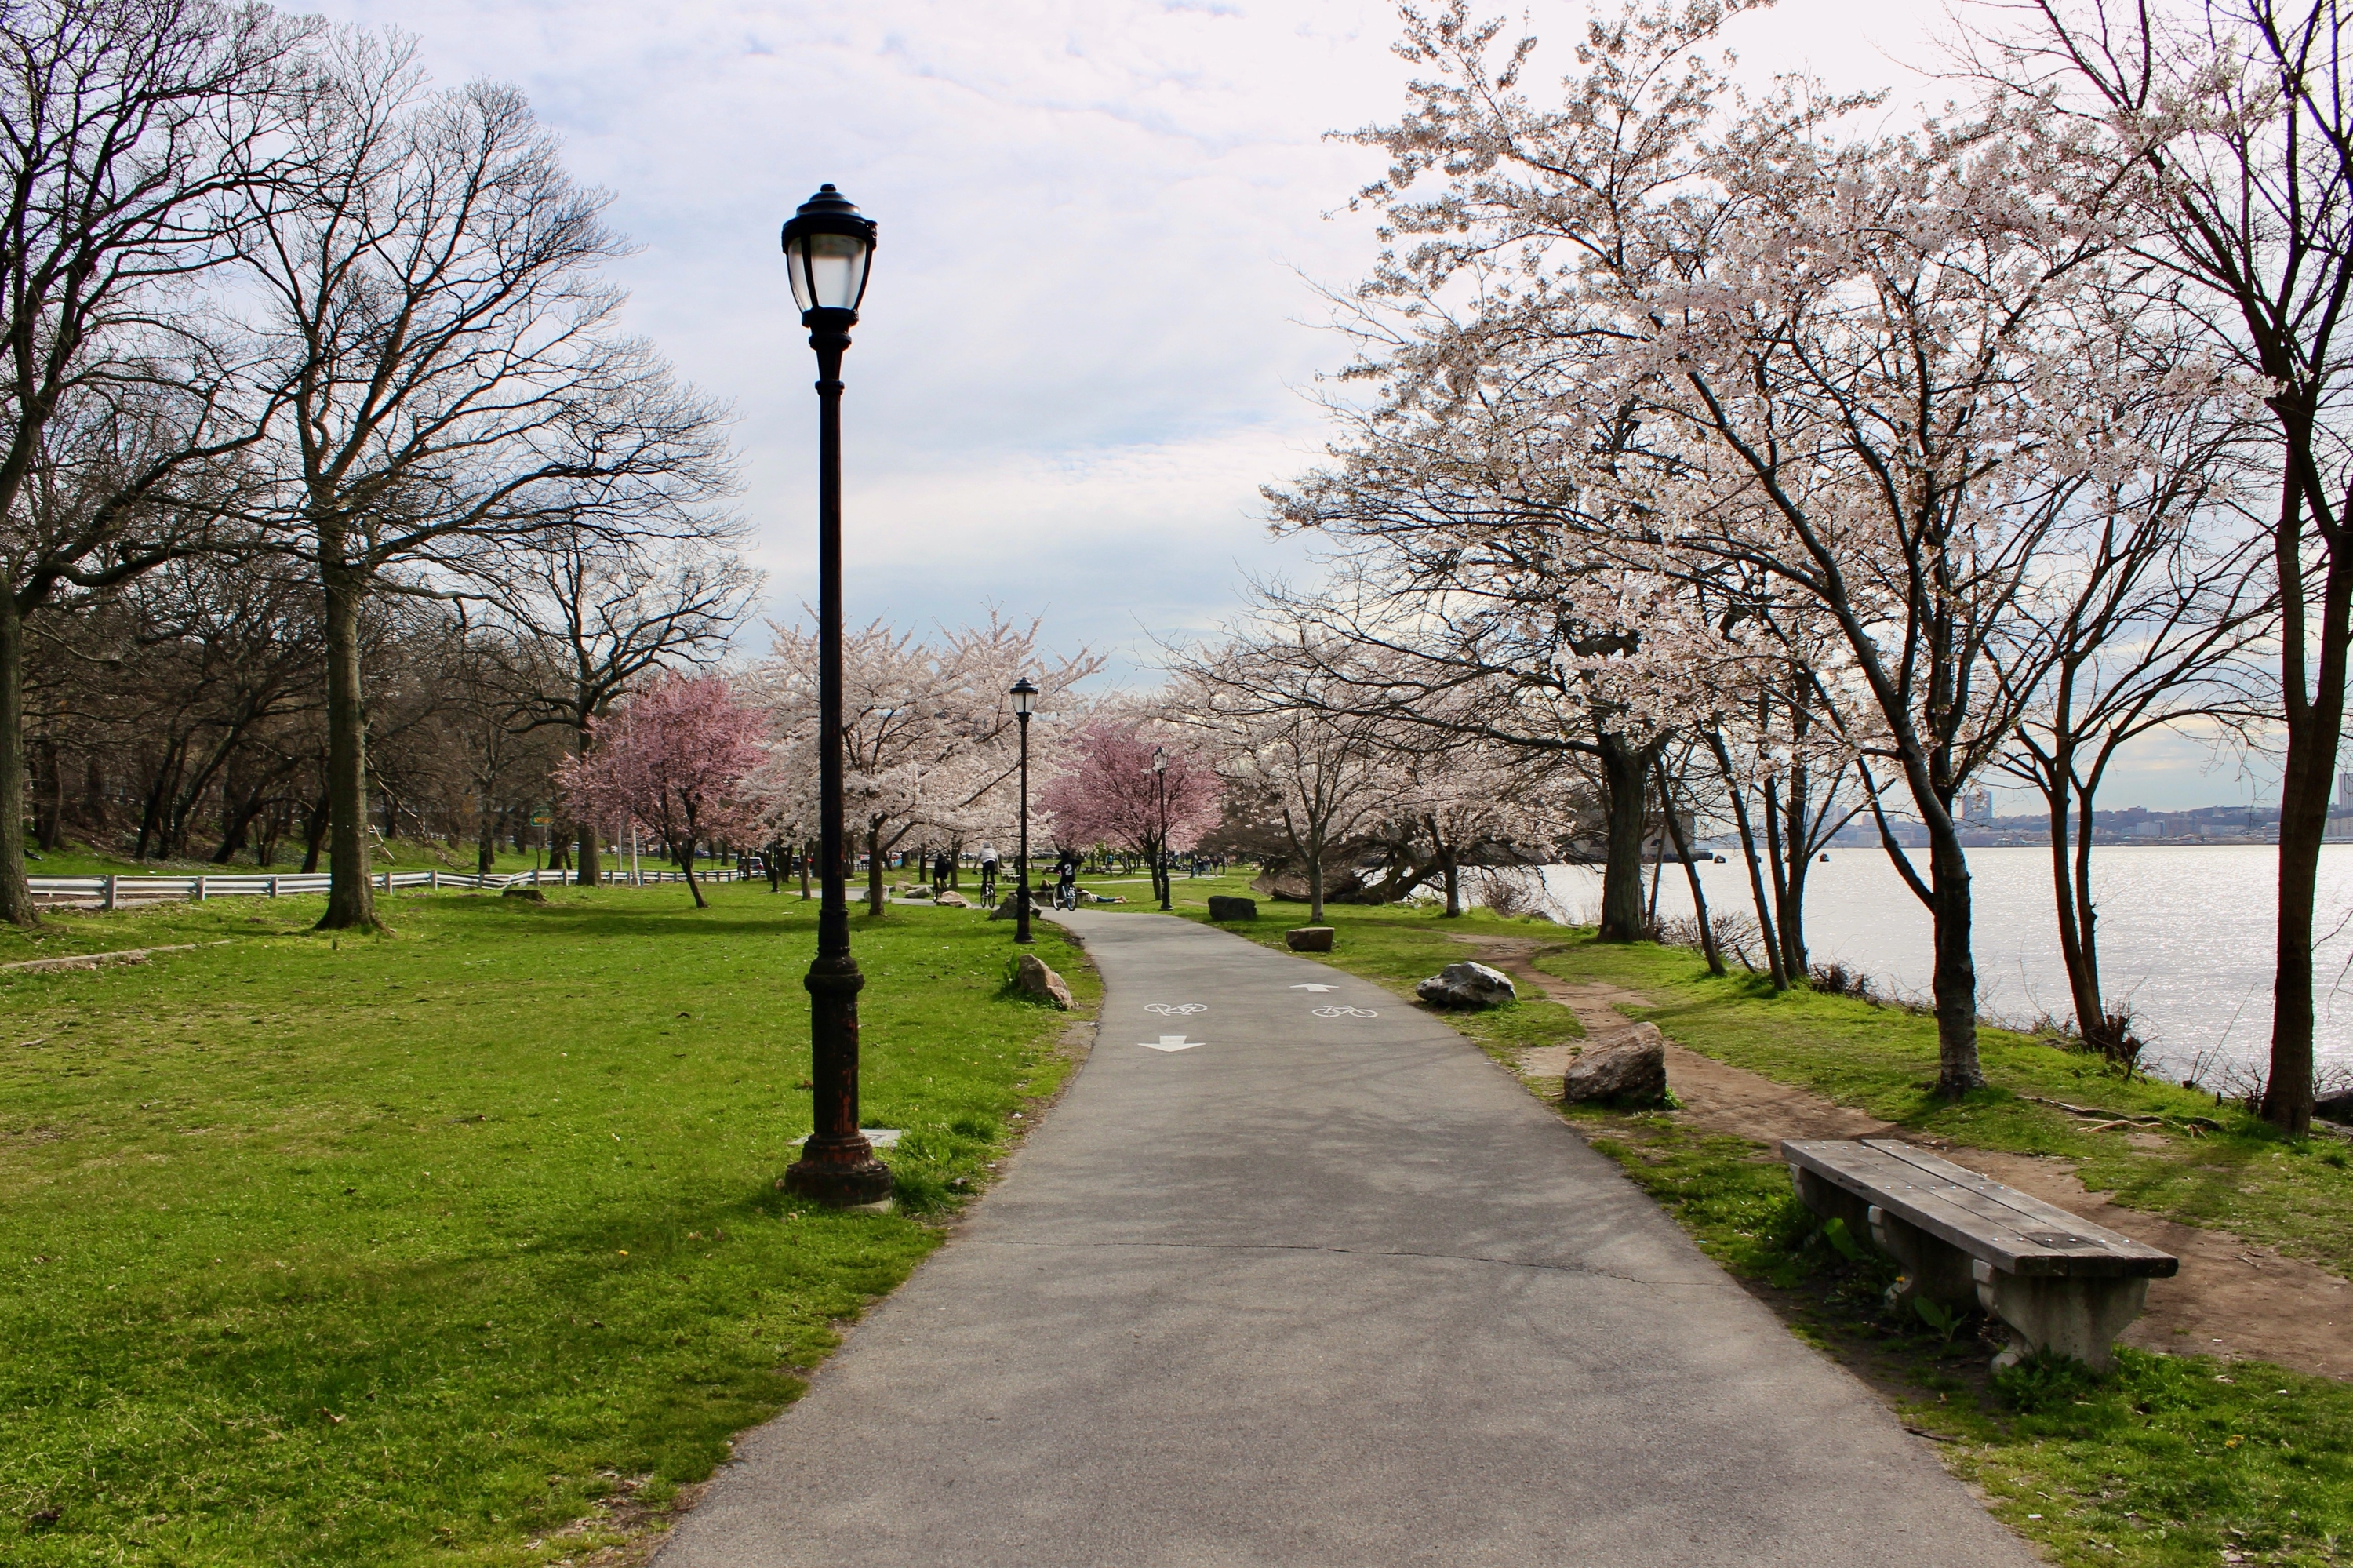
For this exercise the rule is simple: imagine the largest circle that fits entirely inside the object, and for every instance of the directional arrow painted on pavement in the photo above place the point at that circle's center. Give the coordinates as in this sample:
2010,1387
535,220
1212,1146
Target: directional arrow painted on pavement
1311,986
1170,1042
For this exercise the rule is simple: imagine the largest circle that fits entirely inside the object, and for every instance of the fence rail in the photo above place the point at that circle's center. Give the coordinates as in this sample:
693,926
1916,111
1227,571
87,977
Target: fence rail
112,892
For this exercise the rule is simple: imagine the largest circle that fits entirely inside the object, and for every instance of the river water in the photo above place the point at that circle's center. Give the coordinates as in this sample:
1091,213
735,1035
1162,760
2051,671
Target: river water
2185,935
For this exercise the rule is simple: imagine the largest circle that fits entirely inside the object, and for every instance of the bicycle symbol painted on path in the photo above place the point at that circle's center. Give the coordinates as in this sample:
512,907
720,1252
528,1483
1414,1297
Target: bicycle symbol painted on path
1175,1009
1336,1012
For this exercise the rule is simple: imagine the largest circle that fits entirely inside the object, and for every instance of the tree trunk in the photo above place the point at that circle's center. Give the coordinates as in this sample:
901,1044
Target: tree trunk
15,893
351,898
1699,898
2073,901
1658,875
2304,820
1956,983
48,816
1774,968
2316,722
875,900
1451,868
1776,865
692,885
1798,847
314,833
237,828
96,818
486,847
1625,783
807,850
1316,881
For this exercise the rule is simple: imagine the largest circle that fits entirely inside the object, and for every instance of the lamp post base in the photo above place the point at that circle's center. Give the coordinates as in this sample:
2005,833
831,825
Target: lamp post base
850,1183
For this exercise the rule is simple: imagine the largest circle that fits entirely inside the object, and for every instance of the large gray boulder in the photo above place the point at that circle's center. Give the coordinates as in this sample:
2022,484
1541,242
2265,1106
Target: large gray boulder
1309,940
1467,985
953,900
1041,983
1630,1070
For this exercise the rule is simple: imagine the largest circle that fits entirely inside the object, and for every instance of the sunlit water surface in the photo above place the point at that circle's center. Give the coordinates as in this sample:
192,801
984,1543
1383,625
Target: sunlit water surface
2185,937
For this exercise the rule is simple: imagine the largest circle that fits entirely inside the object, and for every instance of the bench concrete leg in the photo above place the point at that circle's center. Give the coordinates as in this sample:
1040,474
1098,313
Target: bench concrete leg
1831,1201
1933,1268
2079,1318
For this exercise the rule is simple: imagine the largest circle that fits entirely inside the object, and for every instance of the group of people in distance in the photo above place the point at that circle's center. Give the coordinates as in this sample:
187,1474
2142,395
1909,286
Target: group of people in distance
780,863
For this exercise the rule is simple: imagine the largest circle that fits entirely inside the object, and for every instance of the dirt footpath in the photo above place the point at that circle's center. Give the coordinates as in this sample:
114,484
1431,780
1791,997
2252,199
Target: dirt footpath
2233,1297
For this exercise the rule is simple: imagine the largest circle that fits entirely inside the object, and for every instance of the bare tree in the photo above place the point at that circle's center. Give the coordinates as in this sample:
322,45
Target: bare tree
2228,132
127,129
457,380
595,617
2160,624
1293,749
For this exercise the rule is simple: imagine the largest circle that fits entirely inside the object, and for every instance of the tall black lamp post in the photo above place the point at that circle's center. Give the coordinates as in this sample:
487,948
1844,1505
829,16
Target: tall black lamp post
827,248
1160,797
1025,703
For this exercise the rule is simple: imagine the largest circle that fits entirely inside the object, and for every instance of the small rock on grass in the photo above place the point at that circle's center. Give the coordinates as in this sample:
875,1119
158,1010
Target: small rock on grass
1041,983
1467,984
1631,1071
1310,939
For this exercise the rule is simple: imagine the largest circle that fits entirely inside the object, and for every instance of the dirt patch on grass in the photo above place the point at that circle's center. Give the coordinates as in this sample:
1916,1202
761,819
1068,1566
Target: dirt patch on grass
2233,1297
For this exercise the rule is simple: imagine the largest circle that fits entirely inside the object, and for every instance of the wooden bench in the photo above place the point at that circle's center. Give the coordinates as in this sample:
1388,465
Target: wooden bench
2059,1282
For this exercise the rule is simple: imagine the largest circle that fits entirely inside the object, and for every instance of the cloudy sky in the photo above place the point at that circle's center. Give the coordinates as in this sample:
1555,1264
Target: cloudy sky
1092,323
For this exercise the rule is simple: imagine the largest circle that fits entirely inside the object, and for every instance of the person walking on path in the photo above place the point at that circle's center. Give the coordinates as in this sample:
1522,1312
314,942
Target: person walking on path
1066,880
1293,1276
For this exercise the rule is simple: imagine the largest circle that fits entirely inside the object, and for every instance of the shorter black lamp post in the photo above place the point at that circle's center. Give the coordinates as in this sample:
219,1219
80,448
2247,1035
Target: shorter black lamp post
1025,703
1160,795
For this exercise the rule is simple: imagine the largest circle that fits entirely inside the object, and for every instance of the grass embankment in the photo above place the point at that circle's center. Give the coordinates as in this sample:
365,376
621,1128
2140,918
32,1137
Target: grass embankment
414,1248
2166,1461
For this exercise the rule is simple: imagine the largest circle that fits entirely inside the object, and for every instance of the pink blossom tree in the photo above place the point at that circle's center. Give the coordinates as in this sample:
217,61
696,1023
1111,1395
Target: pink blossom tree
675,759
1113,794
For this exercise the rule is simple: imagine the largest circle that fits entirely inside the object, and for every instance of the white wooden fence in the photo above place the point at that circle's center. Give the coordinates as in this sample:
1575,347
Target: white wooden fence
113,892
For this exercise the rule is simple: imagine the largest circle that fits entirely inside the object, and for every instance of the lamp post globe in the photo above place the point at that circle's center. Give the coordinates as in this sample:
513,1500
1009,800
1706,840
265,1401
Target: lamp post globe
1025,703
829,250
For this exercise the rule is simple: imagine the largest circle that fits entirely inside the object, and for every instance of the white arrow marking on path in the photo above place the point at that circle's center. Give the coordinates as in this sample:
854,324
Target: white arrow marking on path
1170,1042
1312,987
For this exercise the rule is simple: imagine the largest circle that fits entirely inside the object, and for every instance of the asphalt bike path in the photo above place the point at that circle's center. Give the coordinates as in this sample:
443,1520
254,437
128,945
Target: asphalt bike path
1294,1274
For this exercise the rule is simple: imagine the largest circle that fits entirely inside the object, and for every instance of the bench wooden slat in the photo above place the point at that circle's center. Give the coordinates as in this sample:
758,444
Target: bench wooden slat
2015,1233
2033,1214
1950,1214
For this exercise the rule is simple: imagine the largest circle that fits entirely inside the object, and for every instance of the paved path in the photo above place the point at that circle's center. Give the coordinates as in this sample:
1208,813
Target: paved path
1322,1290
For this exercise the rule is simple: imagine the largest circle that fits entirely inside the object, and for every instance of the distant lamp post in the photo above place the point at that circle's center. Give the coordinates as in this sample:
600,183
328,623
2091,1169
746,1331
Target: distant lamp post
1160,795
1025,703
828,247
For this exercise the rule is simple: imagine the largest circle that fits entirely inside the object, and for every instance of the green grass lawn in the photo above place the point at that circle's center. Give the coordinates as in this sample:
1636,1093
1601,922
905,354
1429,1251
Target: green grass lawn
409,1250
2165,1462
